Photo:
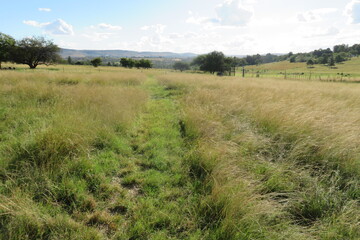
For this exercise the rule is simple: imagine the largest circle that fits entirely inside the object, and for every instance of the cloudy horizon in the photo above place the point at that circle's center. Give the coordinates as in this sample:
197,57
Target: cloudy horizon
236,27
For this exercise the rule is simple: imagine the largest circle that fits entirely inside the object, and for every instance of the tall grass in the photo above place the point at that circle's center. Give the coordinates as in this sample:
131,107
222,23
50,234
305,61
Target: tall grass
62,136
281,157
208,158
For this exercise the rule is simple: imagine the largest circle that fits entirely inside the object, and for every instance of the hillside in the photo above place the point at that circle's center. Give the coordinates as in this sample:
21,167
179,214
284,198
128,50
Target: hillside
64,53
350,68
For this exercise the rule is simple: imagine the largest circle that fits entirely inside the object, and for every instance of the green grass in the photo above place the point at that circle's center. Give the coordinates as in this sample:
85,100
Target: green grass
61,146
160,193
265,151
346,71
127,154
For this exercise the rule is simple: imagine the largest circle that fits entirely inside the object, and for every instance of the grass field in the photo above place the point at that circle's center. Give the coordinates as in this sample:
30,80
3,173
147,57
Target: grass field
347,71
111,153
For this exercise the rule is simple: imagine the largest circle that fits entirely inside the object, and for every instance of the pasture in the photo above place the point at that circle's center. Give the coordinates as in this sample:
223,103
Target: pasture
341,72
112,153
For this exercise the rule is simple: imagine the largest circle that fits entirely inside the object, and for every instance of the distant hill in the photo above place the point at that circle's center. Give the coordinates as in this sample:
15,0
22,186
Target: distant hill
121,53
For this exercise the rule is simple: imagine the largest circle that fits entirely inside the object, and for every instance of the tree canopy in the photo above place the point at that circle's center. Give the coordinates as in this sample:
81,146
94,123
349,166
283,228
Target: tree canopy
130,63
35,51
127,62
211,62
7,44
181,66
216,62
96,62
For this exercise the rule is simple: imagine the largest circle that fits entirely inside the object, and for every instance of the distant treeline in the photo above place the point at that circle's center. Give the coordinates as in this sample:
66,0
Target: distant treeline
123,62
339,53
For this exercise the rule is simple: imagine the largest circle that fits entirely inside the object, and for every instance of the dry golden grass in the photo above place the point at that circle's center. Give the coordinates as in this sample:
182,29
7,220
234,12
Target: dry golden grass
269,159
280,154
53,127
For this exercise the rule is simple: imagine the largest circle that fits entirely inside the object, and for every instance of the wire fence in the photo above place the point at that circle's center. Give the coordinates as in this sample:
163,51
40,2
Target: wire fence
301,75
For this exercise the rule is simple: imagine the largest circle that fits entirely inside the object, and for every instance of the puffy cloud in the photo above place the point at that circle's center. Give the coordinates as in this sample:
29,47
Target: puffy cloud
187,35
44,9
242,44
201,20
106,26
157,38
33,23
331,31
353,11
158,28
314,15
57,27
234,13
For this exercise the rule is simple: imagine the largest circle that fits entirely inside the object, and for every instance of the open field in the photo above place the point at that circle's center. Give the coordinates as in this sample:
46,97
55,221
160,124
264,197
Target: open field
111,153
347,71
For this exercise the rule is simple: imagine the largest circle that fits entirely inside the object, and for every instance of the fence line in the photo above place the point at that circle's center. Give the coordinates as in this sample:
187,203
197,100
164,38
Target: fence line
338,77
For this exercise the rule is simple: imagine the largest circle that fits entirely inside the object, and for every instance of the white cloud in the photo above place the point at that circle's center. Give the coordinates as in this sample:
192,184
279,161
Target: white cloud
231,13
106,26
44,9
158,28
243,44
331,31
353,11
57,27
188,35
202,20
315,15
33,23
234,13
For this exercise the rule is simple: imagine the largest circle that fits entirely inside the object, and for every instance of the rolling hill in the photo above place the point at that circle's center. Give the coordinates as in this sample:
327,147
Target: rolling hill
121,53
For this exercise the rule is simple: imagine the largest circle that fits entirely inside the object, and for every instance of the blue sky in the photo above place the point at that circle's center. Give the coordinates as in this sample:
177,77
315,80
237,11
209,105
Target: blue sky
200,26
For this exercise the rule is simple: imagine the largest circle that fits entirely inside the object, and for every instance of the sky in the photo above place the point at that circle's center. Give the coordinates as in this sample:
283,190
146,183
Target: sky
235,27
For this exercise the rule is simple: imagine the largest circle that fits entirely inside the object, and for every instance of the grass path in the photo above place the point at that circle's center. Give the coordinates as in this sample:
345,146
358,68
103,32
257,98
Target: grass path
159,191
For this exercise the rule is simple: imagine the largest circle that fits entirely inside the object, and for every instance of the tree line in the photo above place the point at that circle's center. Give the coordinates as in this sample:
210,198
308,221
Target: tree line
217,62
339,53
124,62
34,51
131,63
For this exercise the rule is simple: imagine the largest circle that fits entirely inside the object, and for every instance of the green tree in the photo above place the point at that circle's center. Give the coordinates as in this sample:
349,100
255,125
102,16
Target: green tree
355,49
331,62
310,62
145,63
7,44
96,62
181,66
127,62
341,57
199,60
212,62
35,51
341,48
69,60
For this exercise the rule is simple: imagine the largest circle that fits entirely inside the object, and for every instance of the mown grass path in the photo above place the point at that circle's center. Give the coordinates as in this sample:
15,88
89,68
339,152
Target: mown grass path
159,191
